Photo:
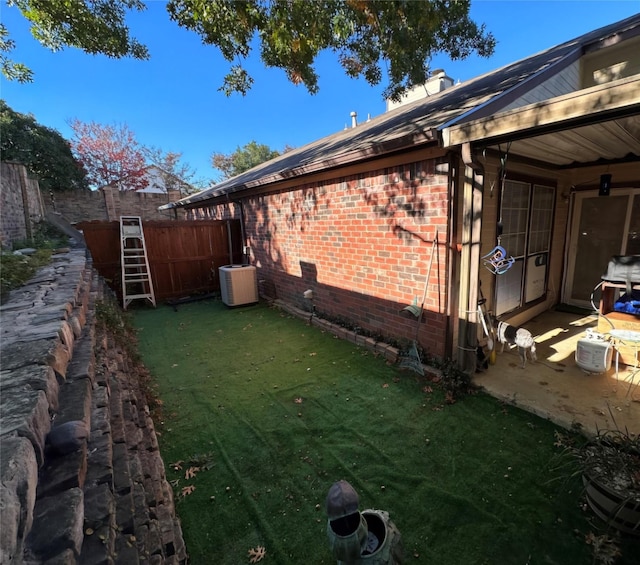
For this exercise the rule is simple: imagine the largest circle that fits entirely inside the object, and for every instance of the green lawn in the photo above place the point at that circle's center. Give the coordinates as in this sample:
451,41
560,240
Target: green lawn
273,411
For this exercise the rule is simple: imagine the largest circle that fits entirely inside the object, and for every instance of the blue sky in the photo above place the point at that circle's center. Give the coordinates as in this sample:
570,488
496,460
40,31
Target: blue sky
172,100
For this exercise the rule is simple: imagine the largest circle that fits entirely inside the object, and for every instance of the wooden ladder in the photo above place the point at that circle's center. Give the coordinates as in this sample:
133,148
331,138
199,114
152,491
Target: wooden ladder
136,276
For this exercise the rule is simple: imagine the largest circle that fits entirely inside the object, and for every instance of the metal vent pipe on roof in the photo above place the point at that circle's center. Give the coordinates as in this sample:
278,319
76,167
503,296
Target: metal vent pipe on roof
354,119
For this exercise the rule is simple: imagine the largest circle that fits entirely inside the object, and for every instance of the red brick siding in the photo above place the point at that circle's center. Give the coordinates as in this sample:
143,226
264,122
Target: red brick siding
361,243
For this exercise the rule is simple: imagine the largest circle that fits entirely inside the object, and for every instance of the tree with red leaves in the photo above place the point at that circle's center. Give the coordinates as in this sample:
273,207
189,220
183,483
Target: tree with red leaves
110,154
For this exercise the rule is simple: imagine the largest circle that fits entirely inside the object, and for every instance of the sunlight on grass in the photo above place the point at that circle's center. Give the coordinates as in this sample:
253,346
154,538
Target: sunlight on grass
262,413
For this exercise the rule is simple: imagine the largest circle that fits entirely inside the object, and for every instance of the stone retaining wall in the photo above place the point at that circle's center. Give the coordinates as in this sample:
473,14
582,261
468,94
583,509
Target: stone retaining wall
20,203
82,480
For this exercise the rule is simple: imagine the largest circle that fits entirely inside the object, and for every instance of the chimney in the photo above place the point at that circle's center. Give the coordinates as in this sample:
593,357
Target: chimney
437,82
354,120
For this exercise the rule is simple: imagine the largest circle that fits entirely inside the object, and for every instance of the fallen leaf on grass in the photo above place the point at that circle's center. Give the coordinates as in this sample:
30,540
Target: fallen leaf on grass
385,385
298,400
257,554
312,354
427,389
191,472
203,461
177,466
187,490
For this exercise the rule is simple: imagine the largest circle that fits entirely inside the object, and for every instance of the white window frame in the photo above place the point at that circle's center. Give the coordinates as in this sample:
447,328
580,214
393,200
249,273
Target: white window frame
527,209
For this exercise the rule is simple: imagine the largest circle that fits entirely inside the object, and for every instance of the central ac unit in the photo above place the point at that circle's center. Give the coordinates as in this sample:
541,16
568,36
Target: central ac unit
238,284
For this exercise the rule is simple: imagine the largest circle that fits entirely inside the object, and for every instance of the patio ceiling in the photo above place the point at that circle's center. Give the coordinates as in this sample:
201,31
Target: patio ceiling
587,126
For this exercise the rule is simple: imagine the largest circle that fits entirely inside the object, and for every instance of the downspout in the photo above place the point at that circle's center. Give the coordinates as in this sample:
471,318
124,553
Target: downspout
243,236
452,261
473,184
230,242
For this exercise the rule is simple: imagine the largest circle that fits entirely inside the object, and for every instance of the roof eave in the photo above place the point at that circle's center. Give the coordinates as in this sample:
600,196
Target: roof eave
583,107
263,183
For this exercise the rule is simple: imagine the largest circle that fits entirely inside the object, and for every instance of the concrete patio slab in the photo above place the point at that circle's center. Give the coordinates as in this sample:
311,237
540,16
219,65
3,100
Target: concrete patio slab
557,389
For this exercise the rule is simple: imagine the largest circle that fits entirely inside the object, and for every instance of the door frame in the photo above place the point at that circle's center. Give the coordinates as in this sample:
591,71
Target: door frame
573,237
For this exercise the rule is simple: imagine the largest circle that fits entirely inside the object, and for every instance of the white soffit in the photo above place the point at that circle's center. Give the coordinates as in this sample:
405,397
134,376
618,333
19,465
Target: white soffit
602,122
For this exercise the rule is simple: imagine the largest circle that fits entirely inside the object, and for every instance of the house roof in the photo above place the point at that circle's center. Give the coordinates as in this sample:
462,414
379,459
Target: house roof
435,120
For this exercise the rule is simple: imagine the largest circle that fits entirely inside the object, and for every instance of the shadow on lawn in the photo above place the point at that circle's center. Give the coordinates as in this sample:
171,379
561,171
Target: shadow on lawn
279,411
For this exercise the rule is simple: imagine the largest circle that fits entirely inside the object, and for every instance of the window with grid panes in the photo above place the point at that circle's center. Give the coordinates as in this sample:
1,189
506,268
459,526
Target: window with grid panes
526,211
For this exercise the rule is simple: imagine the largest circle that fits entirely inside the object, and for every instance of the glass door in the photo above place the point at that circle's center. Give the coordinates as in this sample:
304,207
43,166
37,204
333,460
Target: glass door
602,226
526,212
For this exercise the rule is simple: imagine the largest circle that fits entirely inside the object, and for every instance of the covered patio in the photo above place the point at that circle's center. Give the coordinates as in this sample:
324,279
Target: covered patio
557,389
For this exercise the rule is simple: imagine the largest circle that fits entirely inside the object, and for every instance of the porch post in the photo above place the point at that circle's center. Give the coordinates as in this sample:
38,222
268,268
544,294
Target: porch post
470,261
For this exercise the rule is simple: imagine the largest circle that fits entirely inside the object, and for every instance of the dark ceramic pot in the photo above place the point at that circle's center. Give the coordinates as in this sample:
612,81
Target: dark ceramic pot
617,511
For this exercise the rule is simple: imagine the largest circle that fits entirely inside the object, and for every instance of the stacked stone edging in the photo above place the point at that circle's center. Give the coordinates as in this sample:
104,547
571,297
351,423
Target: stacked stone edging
390,353
106,499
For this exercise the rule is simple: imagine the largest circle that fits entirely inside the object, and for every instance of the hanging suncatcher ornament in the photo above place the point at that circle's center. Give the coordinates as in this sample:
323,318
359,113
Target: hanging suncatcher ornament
497,262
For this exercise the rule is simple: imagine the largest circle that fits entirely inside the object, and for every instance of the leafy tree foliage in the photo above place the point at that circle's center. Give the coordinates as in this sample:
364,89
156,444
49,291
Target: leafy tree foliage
9,68
95,26
243,159
44,152
176,175
110,154
369,37
363,33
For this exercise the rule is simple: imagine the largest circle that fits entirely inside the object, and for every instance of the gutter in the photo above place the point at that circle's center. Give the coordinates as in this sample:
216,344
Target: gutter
373,151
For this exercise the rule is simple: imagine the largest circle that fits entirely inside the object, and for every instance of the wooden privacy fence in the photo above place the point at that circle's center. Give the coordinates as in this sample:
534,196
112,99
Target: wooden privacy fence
184,256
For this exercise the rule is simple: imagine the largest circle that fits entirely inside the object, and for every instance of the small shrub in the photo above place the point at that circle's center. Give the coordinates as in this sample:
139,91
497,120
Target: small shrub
116,322
45,236
455,382
16,270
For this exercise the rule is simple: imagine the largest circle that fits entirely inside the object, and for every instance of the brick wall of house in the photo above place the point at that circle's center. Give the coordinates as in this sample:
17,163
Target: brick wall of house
20,203
362,243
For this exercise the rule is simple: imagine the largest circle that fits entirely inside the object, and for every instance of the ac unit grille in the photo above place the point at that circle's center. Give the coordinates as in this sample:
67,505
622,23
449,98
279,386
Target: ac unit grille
238,284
